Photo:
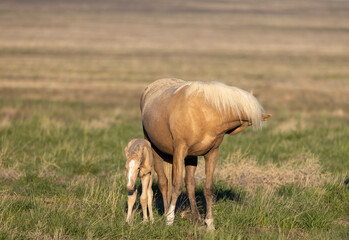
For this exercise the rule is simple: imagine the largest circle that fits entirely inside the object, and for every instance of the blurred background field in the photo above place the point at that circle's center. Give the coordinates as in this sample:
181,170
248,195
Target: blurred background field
71,75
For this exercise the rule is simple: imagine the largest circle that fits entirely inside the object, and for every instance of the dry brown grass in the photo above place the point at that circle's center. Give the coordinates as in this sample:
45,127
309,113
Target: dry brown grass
6,115
10,173
238,170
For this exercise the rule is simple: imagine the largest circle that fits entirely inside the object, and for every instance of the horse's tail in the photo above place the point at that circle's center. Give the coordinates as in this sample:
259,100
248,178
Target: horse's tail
168,174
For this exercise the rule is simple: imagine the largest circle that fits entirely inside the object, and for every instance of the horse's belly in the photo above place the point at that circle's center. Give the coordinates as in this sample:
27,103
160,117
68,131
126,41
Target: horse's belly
204,145
162,142
158,133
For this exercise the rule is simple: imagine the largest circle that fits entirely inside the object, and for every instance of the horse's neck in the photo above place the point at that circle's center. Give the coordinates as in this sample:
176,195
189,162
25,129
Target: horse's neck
232,123
229,125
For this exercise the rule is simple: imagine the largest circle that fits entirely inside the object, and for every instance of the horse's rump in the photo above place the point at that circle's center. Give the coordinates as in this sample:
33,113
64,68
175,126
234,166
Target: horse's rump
156,88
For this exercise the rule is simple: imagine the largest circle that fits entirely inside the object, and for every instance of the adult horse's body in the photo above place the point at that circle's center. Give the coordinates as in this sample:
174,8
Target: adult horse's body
183,120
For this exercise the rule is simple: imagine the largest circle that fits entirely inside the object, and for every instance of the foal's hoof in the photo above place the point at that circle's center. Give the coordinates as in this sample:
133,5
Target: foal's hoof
209,224
186,214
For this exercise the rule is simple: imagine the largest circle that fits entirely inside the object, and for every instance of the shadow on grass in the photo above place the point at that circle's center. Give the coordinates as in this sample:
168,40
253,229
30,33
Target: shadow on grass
221,193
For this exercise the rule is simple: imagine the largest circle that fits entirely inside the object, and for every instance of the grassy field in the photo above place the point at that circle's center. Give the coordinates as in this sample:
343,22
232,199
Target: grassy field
71,74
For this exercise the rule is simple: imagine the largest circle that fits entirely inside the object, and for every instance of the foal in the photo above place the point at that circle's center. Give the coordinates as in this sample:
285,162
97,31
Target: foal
139,163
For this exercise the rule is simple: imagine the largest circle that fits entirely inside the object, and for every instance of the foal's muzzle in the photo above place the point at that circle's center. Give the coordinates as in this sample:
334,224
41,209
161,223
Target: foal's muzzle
130,192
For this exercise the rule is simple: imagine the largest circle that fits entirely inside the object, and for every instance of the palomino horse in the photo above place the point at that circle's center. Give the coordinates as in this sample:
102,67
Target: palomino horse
183,120
139,163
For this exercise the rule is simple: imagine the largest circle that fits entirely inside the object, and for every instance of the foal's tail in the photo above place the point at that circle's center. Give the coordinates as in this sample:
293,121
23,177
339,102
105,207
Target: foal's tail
168,174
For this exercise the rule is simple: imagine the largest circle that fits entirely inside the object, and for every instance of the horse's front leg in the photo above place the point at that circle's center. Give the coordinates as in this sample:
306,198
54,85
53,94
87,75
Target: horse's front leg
131,199
162,179
144,196
210,164
190,167
180,153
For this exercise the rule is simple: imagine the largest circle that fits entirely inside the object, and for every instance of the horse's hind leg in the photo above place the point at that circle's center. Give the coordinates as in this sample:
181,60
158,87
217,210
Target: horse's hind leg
150,198
190,167
210,164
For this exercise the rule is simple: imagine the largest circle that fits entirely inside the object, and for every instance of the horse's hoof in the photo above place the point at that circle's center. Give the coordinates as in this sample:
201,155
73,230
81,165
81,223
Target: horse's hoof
170,216
209,224
197,220
169,220
169,223
211,228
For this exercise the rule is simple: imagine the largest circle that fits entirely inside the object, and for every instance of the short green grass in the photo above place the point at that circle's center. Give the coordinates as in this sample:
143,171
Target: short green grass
67,180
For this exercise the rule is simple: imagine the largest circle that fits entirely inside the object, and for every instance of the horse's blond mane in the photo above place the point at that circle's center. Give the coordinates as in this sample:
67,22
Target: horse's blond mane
226,99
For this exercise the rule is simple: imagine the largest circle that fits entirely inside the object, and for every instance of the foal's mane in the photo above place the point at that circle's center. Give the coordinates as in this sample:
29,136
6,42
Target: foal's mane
224,98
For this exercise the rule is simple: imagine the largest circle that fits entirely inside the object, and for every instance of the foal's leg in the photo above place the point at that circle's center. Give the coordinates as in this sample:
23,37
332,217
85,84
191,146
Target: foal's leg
150,198
210,164
190,167
144,196
131,199
180,153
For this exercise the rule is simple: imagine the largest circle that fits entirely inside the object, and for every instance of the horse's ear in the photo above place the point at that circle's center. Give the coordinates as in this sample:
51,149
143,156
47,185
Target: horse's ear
266,116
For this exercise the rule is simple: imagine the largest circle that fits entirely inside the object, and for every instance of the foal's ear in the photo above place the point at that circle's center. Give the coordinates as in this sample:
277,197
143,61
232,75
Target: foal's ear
126,151
149,144
266,116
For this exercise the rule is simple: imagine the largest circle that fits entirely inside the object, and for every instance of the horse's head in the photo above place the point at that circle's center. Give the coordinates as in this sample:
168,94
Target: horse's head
133,165
244,124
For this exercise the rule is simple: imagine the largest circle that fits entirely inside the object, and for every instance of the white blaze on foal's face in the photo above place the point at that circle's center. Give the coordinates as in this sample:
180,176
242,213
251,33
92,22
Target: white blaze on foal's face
132,173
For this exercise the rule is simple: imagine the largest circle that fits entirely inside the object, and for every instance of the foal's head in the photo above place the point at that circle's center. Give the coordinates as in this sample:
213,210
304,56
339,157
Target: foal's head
133,165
